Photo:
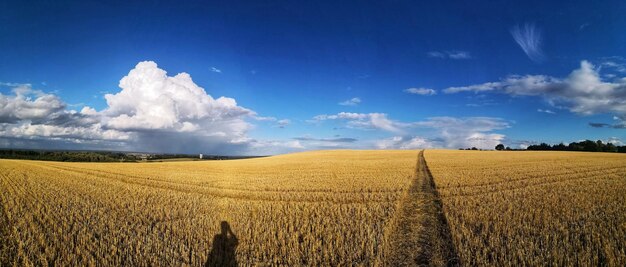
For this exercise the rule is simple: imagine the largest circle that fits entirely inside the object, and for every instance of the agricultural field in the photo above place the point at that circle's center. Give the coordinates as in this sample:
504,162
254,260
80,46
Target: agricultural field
313,208
533,208
321,208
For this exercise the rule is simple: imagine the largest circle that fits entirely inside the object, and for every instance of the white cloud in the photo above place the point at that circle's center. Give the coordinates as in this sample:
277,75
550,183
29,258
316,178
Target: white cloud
582,92
151,100
151,112
351,102
449,54
282,123
451,132
528,37
459,55
619,67
420,91
216,70
364,121
279,123
474,88
615,140
29,104
404,142
466,132
34,115
546,111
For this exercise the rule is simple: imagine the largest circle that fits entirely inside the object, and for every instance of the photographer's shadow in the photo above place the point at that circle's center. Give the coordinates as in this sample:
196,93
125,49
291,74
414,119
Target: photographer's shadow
224,247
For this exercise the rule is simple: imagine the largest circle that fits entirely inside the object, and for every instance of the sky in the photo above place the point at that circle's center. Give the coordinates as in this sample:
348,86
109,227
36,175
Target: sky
259,78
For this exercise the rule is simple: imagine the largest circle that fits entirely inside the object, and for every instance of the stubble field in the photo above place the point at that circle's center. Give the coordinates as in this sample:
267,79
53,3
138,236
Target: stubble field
534,208
337,208
314,208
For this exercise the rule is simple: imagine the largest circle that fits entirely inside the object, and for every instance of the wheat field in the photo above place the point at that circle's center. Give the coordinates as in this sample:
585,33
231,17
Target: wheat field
312,208
533,208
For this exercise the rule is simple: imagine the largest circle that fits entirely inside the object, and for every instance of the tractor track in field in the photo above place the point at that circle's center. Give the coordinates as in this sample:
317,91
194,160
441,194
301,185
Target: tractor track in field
420,234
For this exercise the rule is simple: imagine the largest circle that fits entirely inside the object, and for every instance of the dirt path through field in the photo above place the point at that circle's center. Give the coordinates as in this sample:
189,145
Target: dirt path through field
420,234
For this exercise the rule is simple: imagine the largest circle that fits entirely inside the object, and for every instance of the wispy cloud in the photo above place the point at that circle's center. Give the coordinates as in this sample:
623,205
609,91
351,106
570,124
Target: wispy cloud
456,54
279,123
351,102
216,70
619,125
528,37
420,91
546,111
583,26
617,66
283,123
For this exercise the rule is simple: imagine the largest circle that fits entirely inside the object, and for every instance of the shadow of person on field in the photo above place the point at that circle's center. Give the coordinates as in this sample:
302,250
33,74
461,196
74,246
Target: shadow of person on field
223,248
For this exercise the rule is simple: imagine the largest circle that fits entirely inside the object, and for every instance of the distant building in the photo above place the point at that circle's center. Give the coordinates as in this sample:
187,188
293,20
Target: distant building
200,156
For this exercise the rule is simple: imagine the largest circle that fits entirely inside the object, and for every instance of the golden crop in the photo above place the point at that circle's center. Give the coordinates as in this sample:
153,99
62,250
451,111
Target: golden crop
314,208
319,208
534,208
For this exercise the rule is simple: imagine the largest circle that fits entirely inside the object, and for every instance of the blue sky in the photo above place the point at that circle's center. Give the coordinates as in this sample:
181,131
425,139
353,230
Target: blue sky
535,71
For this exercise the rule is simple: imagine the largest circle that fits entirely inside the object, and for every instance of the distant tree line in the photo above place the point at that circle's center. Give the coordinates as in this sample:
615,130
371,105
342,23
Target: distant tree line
101,156
587,145
73,156
204,157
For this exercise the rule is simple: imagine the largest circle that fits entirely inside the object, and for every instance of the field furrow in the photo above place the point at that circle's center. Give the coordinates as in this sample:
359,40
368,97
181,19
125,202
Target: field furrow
420,235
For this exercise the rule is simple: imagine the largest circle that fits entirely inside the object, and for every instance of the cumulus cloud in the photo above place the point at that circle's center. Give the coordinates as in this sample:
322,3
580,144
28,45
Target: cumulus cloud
582,92
528,37
151,112
29,104
615,141
35,115
151,100
451,132
466,132
449,54
351,102
420,91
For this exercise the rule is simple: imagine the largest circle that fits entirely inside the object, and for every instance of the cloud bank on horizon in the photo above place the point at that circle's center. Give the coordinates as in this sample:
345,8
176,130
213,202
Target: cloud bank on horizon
160,113
151,112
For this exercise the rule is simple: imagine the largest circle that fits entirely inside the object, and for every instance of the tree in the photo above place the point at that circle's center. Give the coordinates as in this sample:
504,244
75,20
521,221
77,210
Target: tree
500,147
560,147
